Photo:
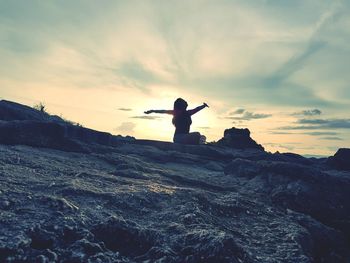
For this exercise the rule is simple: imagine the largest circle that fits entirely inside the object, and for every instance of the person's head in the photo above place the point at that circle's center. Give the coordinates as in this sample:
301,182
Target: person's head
180,105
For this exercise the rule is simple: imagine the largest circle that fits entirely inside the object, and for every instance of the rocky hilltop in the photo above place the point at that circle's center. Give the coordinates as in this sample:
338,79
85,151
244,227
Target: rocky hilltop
72,194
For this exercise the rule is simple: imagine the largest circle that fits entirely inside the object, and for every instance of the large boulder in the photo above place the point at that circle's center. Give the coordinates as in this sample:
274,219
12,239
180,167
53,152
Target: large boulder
50,134
341,159
38,134
11,111
239,139
21,124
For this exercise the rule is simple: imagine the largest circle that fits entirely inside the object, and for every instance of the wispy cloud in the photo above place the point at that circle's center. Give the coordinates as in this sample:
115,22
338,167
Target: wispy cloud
247,116
331,138
281,133
124,109
136,75
292,65
327,123
323,133
281,81
238,111
298,128
320,133
146,117
313,112
318,124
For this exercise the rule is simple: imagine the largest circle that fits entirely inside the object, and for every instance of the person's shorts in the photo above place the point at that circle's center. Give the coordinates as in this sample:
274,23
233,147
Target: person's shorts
189,138
180,138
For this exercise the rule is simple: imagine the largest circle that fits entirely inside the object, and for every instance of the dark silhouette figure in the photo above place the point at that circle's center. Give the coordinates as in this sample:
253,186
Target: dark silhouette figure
182,121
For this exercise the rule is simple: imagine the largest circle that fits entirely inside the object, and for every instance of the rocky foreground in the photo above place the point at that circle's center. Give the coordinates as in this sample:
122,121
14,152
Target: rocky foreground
71,194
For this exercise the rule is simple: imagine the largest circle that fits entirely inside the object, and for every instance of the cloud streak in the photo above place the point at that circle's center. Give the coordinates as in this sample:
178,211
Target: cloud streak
304,133
146,117
331,138
314,112
320,133
327,123
238,111
124,109
247,116
318,124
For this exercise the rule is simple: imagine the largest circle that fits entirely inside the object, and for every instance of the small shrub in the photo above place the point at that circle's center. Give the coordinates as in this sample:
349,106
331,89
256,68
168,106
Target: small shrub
40,107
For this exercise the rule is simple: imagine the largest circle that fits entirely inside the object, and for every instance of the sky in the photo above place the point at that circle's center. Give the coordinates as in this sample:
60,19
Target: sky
279,68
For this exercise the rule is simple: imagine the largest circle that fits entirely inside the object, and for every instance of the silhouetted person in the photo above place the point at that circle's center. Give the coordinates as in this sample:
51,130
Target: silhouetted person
182,121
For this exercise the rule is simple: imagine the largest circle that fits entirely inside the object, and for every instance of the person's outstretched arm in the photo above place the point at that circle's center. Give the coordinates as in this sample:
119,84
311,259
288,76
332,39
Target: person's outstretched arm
195,110
159,111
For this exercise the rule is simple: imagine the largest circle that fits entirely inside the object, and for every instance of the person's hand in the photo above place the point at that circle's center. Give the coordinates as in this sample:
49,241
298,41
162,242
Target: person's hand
148,112
206,105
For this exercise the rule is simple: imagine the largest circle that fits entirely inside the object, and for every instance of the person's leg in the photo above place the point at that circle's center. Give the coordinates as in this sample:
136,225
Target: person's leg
193,138
179,138
190,138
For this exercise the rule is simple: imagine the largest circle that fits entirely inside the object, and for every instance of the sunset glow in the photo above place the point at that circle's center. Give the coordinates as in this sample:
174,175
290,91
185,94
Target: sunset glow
281,70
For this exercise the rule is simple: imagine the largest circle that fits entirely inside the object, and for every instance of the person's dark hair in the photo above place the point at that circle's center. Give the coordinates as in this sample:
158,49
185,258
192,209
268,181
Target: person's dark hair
180,106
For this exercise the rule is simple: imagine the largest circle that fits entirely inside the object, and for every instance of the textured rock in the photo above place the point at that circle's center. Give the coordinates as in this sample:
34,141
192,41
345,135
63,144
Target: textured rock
123,236
10,111
238,139
324,244
301,188
20,124
38,134
341,159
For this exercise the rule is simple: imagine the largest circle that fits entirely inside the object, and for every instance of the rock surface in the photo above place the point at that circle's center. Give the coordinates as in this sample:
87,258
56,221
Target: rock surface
20,124
10,111
238,139
146,201
341,159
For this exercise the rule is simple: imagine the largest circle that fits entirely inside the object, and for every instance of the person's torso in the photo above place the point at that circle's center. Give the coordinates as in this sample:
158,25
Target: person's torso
182,123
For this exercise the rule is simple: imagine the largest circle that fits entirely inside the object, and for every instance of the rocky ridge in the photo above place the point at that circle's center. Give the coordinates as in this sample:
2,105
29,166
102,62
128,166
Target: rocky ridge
71,194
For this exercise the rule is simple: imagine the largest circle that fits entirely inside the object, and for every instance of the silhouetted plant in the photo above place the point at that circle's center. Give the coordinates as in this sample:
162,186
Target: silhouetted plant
40,107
